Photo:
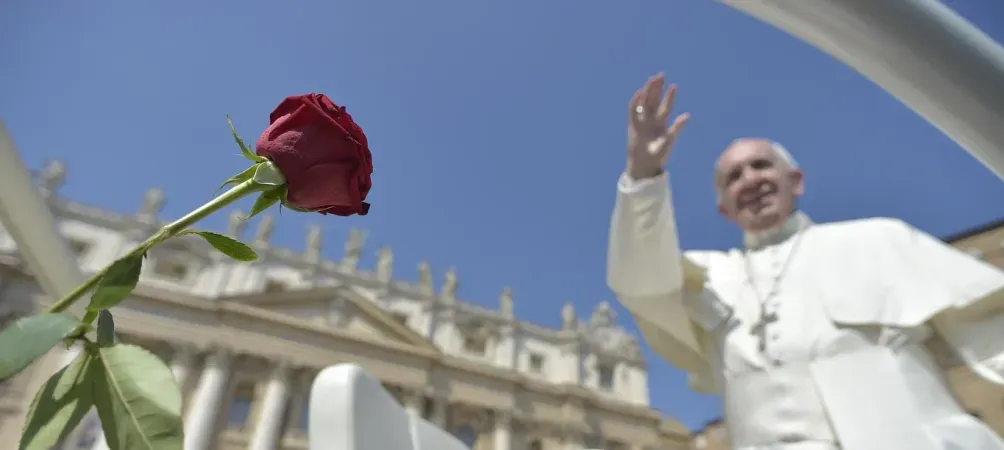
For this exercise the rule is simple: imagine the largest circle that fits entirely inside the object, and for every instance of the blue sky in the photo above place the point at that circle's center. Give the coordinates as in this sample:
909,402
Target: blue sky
497,127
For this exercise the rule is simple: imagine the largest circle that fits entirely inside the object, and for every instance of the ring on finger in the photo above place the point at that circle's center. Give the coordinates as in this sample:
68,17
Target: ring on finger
639,110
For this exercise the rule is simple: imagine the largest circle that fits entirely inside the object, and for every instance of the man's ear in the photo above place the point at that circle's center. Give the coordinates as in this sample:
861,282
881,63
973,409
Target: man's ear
797,182
722,211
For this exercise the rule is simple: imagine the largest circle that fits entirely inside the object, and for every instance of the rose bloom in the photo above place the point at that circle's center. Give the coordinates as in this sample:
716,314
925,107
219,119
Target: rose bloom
322,153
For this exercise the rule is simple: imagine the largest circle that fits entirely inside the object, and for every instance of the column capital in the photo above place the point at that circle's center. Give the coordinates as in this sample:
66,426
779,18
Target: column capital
304,377
184,349
219,356
504,418
440,406
417,391
282,370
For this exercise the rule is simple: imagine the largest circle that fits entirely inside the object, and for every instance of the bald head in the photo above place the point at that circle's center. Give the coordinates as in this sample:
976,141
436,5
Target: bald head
780,153
758,183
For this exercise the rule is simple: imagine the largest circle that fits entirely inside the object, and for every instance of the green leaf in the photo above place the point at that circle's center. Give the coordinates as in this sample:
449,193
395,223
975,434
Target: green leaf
263,202
59,406
137,398
31,337
117,283
245,149
227,245
267,174
106,329
241,177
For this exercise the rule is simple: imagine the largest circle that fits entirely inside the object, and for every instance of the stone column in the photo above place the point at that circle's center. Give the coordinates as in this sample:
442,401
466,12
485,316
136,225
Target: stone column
272,412
573,439
503,431
506,348
439,406
182,366
412,399
200,423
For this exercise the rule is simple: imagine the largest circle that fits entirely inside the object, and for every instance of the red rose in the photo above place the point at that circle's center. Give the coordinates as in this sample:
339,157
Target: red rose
322,153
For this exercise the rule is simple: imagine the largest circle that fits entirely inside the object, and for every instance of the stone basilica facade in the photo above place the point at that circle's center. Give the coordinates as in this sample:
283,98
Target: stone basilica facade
244,341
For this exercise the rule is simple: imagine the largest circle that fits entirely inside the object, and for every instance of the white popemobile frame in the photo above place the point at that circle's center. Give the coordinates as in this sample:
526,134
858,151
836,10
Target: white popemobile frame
920,51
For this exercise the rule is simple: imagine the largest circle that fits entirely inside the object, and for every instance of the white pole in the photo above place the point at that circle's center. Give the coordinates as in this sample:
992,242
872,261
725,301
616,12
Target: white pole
27,218
920,51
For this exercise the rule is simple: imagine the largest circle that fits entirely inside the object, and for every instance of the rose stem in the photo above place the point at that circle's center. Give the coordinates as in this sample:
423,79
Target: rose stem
172,229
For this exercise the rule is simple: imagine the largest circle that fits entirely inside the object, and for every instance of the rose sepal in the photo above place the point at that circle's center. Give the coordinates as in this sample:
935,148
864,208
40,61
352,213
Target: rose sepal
246,150
267,175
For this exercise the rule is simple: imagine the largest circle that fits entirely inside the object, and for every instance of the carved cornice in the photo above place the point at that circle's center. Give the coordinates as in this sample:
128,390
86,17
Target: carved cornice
220,356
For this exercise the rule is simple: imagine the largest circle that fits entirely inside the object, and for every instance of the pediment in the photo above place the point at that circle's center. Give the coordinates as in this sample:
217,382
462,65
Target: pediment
340,308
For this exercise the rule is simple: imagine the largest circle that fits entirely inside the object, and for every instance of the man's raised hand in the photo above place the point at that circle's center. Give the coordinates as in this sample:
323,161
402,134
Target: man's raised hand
650,134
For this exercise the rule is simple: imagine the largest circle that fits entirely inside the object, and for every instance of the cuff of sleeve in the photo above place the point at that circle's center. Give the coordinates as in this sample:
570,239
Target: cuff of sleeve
629,186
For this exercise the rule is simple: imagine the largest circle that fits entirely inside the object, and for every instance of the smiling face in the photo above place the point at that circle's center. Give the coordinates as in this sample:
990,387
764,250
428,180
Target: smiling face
758,187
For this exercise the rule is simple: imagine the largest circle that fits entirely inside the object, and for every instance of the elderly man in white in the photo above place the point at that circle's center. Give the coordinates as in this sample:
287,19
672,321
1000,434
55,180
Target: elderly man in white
818,336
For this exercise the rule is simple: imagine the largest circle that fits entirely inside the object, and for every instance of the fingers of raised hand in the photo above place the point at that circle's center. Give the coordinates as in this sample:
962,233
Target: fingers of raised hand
637,111
648,111
666,107
653,91
679,123
674,130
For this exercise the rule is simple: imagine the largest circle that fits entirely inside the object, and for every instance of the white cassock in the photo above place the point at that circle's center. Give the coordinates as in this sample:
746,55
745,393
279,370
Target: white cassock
852,311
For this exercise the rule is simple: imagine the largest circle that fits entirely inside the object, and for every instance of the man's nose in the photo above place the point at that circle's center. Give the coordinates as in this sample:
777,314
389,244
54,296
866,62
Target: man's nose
750,177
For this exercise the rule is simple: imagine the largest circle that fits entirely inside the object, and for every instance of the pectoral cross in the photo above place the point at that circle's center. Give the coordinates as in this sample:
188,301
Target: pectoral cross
759,329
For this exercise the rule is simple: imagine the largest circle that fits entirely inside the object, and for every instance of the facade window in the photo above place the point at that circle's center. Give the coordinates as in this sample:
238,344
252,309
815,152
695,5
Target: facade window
78,247
400,317
273,286
475,345
595,442
606,375
170,270
467,435
536,444
536,363
240,406
428,408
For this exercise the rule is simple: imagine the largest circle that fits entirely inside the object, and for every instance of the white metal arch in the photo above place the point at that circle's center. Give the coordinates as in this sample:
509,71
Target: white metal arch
920,51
